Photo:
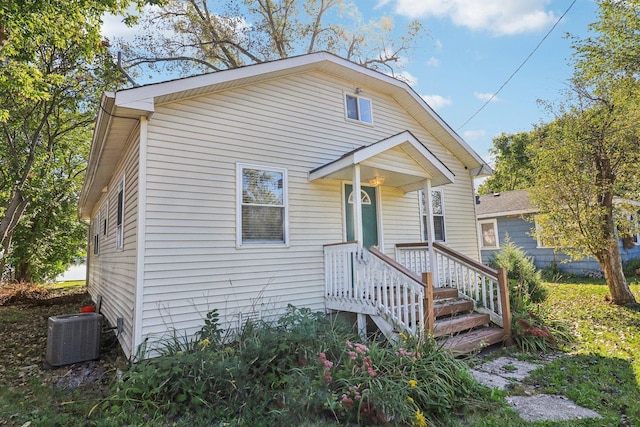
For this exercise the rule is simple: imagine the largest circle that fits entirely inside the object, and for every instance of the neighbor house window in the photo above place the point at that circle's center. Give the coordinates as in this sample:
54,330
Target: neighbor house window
262,205
359,108
542,243
488,234
437,210
120,216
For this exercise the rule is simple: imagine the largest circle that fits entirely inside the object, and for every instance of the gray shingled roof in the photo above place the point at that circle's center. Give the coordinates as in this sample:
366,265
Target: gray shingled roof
500,204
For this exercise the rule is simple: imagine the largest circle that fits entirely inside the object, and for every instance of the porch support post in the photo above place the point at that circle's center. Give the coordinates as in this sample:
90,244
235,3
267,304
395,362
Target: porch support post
362,326
428,201
357,206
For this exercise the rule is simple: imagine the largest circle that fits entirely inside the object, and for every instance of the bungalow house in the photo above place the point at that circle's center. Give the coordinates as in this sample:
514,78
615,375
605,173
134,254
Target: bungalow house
511,214
301,181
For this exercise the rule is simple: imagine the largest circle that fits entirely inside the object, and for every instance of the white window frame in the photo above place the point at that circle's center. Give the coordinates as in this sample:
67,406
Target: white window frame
358,99
493,222
635,238
239,203
423,231
96,231
539,243
105,219
120,210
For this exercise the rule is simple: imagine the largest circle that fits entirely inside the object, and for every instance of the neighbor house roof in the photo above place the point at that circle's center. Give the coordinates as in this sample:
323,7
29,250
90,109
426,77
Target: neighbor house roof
507,203
118,118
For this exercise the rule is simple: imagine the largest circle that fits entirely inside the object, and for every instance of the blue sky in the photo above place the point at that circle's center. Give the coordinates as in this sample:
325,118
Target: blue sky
472,48
476,45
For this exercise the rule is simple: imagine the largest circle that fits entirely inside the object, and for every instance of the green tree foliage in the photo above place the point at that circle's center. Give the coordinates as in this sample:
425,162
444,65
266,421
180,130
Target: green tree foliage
512,169
53,67
586,162
192,36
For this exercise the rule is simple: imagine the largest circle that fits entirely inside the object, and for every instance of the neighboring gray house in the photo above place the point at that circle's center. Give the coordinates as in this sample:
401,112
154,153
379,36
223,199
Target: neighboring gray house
511,214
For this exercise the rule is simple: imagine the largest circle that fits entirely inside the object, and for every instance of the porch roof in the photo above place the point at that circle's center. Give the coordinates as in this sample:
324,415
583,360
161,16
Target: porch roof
402,160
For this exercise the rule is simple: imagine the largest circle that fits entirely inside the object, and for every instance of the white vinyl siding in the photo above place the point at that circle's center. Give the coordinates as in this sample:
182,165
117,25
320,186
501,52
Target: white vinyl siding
192,262
112,273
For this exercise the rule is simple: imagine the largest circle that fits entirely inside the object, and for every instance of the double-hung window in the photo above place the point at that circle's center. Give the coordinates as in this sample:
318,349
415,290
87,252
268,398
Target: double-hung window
359,109
262,205
488,234
437,210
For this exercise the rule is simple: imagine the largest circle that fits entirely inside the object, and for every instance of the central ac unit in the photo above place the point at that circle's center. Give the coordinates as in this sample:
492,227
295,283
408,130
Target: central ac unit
73,338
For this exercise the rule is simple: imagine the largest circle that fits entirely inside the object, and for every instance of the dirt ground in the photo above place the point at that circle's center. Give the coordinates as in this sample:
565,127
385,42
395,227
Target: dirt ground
30,390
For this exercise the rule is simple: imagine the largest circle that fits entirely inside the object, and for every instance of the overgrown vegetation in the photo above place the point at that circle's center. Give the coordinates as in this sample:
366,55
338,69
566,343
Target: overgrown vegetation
602,369
533,328
303,368
599,370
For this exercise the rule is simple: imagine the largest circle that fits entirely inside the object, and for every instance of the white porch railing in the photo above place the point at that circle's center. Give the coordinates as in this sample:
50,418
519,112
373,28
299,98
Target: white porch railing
472,279
368,282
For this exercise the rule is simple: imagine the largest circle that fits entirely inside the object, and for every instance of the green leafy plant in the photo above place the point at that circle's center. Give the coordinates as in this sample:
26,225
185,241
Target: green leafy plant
306,366
631,268
534,331
525,282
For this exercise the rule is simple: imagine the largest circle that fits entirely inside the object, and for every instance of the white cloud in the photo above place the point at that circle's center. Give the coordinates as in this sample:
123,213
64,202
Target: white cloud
437,101
499,17
433,62
486,97
407,77
474,135
112,27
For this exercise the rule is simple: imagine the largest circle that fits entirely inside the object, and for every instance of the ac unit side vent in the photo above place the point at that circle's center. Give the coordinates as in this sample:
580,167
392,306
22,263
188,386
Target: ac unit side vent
73,338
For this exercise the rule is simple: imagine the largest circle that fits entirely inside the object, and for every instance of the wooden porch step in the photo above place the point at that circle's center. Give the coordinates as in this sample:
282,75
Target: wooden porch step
448,307
473,340
455,324
443,293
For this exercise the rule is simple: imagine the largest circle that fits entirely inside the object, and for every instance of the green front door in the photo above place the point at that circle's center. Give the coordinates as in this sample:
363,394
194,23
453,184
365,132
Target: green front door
369,215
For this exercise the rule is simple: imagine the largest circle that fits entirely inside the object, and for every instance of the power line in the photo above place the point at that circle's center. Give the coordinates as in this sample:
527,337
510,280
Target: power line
521,65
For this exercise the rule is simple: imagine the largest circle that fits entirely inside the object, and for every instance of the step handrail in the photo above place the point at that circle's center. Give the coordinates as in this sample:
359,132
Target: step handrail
369,282
488,288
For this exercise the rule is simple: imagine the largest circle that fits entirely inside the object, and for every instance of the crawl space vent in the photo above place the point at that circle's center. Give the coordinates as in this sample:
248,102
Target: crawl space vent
73,338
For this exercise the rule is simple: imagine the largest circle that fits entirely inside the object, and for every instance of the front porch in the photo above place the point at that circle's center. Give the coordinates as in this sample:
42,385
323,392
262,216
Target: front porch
427,289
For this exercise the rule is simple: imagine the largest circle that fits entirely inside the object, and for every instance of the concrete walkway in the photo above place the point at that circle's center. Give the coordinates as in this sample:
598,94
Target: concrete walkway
506,372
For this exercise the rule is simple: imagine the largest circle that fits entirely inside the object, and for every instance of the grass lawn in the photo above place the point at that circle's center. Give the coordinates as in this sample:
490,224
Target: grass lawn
600,370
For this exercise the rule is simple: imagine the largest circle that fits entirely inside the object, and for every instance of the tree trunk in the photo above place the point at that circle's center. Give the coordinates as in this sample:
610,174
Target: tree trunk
14,209
611,264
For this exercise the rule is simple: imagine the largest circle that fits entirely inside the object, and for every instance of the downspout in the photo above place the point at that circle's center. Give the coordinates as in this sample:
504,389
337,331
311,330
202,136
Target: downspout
141,237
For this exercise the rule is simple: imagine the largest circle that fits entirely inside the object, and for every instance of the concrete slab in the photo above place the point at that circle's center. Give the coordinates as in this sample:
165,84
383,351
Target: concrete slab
490,380
509,368
545,407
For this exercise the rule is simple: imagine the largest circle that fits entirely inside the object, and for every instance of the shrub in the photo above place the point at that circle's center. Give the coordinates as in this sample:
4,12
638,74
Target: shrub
552,273
525,282
534,330
305,367
632,267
